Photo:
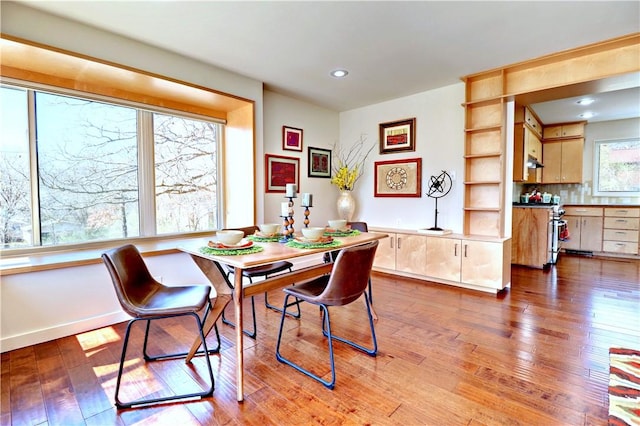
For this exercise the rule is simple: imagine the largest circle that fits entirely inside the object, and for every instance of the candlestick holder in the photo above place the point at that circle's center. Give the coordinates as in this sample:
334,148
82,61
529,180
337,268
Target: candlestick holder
285,229
307,212
291,220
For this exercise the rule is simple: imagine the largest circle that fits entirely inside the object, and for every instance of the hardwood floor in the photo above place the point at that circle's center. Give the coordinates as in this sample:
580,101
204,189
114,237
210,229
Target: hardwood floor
534,354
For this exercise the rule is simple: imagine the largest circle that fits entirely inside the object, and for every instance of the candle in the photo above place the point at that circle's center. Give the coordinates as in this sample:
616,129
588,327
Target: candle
290,190
307,200
284,208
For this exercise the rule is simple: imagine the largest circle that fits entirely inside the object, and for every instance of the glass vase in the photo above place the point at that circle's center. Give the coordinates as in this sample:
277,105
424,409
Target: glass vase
346,205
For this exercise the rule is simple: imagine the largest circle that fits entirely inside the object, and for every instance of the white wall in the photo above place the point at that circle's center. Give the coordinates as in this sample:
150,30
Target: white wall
439,142
320,128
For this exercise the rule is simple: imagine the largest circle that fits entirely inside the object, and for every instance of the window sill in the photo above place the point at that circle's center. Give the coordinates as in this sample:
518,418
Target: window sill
45,261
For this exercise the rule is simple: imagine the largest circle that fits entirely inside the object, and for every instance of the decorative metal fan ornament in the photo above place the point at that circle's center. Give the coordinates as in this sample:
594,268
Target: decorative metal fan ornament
439,186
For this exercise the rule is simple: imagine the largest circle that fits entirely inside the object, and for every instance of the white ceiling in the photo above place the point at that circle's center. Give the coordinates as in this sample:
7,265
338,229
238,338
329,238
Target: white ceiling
390,48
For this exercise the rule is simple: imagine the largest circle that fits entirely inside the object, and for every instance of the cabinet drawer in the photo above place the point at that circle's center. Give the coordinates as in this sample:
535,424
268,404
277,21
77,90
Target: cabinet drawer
583,211
621,223
621,212
620,247
621,235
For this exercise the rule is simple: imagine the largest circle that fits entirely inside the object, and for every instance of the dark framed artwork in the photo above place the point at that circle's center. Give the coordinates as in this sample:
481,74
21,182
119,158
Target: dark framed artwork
398,178
280,171
319,162
291,138
398,136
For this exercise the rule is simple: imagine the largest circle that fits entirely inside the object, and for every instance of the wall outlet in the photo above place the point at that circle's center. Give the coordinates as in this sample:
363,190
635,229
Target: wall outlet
452,173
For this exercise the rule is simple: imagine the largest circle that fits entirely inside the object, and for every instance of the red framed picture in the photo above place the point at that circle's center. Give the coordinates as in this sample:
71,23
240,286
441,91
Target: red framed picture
398,178
291,138
280,171
397,136
319,163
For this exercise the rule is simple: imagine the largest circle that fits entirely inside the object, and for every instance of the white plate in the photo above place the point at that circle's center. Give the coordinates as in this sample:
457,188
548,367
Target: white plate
239,246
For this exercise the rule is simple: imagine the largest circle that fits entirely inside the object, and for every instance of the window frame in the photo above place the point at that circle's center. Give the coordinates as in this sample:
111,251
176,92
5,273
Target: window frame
596,168
145,161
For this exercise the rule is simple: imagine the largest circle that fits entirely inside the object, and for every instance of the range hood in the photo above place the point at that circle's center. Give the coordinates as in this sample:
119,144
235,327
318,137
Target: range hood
533,163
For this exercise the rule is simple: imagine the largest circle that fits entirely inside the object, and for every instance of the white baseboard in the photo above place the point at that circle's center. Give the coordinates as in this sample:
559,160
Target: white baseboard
62,330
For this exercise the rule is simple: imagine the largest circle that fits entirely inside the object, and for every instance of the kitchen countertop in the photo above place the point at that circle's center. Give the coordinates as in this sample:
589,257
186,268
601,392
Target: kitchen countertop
535,205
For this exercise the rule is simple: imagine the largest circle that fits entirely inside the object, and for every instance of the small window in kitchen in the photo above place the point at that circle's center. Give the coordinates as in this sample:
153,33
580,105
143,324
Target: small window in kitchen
617,168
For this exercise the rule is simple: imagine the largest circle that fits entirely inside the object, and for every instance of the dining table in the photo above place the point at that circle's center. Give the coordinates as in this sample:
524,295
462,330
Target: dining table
263,252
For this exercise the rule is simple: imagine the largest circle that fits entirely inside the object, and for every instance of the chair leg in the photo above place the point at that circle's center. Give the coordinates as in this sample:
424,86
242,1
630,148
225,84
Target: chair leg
180,354
251,334
371,352
326,322
275,308
206,393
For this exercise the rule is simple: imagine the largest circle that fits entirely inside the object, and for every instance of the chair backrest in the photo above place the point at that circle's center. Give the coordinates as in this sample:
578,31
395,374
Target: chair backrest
130,276
350,275
359,226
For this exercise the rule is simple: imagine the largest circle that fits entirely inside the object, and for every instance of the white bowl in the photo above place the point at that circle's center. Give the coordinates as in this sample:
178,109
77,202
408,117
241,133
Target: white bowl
269,228
313,233
229,236
338,224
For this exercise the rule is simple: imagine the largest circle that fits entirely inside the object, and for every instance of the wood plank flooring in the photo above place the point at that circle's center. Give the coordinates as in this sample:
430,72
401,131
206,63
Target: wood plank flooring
534,354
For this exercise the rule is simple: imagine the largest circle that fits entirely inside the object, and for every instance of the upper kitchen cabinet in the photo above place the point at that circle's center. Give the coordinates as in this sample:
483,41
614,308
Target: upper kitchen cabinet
527,147
562,155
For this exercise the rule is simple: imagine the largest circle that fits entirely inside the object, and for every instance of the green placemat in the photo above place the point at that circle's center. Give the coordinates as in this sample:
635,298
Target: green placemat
259,239
350,233
219,252
295,244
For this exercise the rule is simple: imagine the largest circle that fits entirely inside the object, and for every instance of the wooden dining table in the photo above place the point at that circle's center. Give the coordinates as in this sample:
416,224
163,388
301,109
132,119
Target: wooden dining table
211,266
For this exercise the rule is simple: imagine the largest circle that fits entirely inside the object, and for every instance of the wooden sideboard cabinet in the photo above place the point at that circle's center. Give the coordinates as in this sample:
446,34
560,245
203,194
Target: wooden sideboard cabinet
470,262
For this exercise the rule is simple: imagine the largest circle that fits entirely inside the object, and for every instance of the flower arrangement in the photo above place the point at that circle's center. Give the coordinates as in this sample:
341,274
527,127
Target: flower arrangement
348,165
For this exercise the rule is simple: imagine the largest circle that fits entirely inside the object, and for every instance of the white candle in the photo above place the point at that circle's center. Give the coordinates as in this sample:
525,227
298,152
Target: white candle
284,208
290,190
307,200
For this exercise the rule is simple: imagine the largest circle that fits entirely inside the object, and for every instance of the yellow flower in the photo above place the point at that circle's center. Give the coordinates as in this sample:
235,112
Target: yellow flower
348,166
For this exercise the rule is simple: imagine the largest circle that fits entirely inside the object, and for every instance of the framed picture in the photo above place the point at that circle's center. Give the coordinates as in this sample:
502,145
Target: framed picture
280,171
319,163
291,138
398,178
397,136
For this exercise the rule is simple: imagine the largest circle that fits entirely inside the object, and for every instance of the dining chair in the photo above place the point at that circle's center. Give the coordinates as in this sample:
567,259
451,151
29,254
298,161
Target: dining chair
346,283
146,299
331,256
261,271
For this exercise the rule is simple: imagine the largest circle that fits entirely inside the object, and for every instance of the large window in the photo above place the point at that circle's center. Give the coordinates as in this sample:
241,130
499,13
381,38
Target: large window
617,167
75,170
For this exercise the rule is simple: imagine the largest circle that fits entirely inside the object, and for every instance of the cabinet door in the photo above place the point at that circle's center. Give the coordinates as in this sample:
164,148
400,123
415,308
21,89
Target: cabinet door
443,258
571,167
482,263
386,253
411,254
572,130
591,234
574,227
552,160
552,132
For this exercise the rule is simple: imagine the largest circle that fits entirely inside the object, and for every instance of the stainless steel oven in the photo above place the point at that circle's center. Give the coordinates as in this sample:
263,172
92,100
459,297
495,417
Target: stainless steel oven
557,228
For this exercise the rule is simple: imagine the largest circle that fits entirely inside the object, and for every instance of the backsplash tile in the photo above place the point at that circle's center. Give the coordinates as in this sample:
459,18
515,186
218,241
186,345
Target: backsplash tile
573,193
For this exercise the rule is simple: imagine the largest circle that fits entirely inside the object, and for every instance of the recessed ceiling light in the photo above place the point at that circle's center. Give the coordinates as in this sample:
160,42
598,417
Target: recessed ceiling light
339,73
584,101
587,114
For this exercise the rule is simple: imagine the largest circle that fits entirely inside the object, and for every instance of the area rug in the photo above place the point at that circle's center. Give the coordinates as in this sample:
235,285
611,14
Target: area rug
624,387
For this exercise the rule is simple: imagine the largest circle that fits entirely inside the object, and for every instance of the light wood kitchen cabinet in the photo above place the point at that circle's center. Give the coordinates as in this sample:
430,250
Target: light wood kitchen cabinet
444,258
402,252
562,161
526,143
473,262
533,122
585,227
621,230
531,242
566,130
470,262
486,264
